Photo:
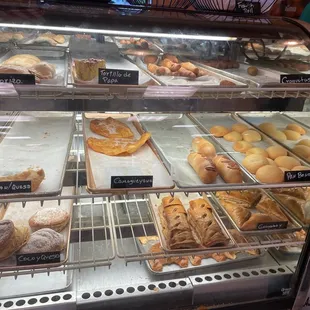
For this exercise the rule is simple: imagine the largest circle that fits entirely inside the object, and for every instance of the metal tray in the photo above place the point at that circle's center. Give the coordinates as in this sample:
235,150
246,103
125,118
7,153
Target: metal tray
172,136
20,215
302,118
33,141
56,58
58,46
155,202
291,228
101,167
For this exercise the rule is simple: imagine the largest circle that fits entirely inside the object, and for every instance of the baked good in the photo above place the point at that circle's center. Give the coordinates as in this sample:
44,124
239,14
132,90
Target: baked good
233,136
254,161
271,162
171,57
276,151
239,127
227,83
252,71
242,146
7,232
305,142
297,192
54,218
228,169
45,41
219,131
172,66
186,73
257,218
302,150
88,69
150,59
267,127
44,70
35,176
246,198
257,150
43,241
203,147
110,128
115,147
190,67
301,168
23,60
251,136
6,37
203,166
270,174
287,162
278,135
291,135
296,128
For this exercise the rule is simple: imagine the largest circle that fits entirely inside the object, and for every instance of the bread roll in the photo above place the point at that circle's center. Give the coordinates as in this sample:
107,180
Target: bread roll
219,131
228,169
203,166
267,127
291,134
271,162
239,127
305,142
276,151
254,162
257,150
296,128
278,135
203,147
300,168
242,146
251,136
150,59
270,174
287,162
302,150
233,136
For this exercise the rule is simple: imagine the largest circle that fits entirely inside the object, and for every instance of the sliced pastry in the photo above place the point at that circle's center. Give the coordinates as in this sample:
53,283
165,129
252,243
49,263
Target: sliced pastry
247,198
297,192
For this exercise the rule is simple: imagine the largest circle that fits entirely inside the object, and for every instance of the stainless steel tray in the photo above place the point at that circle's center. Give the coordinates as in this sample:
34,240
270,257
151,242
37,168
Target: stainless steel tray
57,58
303,118
293,225
172,136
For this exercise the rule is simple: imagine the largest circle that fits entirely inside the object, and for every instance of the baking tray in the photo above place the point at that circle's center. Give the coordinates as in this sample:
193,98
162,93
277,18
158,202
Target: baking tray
20,215
155,202
280,121
207,120
33,141
302,118
100,167
295,226
172,135
56,58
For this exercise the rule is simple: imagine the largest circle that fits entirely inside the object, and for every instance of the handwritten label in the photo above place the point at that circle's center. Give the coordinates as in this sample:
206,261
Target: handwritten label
37,258
18,79
272,225
15,187
294,78
297,176
247,7
131,181
119,77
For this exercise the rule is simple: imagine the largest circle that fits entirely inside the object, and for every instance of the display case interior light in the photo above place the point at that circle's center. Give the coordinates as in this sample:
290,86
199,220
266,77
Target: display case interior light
119,33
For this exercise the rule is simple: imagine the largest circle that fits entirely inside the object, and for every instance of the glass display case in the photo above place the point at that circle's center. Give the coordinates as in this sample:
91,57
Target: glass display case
153,157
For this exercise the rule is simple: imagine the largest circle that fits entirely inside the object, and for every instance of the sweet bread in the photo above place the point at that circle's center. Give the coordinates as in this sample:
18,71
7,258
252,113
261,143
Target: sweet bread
219,131
305,142
254,161
291,135
242,146
270,174
267,127
287,162
23,60
251,136
296,128
276,151
278,135
302,150
239,127
257,150
233,136
203,147
271,162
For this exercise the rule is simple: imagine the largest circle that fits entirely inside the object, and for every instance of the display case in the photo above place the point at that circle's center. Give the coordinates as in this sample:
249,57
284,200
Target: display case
153,156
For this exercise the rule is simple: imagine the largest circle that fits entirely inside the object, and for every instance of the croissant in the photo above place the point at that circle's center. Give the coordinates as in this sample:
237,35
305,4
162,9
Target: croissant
190,67
186,73
170,65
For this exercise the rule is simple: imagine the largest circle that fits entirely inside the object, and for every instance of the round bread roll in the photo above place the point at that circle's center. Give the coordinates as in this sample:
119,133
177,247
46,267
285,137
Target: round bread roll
296,128
276,151
278,135
257,150
254,161
287,162
251,136
300,168
150,59
302,150
239,127
219,131
291,134
271,162
242,146
270,174
267,127
305,142
7,231
233,136
284,169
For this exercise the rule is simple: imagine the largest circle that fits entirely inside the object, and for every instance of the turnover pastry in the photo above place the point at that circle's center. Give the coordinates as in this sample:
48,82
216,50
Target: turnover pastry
22,60
246,198
44,70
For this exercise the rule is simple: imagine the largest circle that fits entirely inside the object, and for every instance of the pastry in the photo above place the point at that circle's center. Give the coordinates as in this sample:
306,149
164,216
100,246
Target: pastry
227,83
276,151
35,176
163,71
203,166
172,66
88,69
267,127
302,150
219,131
186,73
242,146
257,150
297,192
256,219
190,67
120,146
251,136
228,169
296,128
110,128
6,37
305,142
278,135
54,218
291,135
246,198
17,70
45,41
171,57
150,59
203,147
51,38
23,60
44,70
7,232
233,136
239,127
271,162
254,161
270,174
287,162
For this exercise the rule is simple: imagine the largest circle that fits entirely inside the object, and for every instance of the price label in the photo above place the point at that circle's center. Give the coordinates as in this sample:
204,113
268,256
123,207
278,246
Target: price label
248,7
18,79
15,187
294,78
118,77
272,225
297,176
131,181
37,258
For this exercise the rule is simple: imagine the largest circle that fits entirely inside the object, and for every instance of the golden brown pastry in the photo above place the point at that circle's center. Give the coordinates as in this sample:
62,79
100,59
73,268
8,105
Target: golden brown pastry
186,73
246,198
150,59
44,70
297,192
219,131
254,161
190,67
278,135
287,162
163,71
228,169
270,174
23,60
239,127
203,147
276,151
242,146
251,136
302,150
291,135
171,57
267,127
172,66
296,128
233,136
152,68
257,150
305,142
88,69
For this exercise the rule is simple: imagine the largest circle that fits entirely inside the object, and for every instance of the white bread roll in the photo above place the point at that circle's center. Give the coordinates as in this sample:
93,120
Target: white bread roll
276,151
270,174
257,150
203,147
305,142
219,131
253,162
302,150
296,128
291,135
233,136
267,127
242,146
287,162
239,127
251,136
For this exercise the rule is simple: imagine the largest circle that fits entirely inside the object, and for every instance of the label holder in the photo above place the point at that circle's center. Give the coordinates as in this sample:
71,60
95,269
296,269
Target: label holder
272,225
132,181
118,77
15,187
38,258
297,176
